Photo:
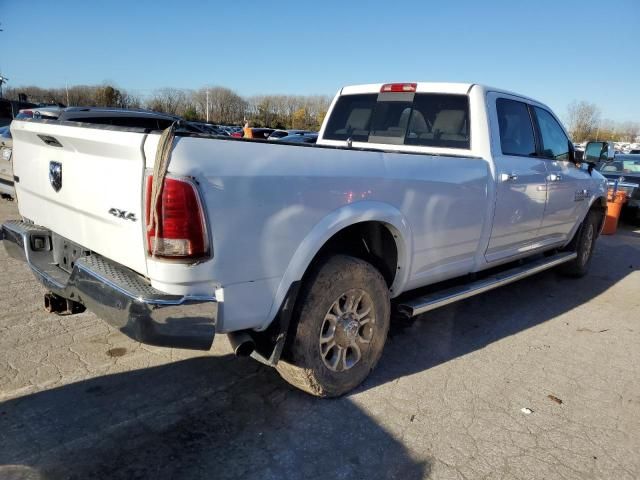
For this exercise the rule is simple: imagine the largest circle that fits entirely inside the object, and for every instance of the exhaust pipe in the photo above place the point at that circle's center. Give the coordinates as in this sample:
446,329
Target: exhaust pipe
242,343
56,304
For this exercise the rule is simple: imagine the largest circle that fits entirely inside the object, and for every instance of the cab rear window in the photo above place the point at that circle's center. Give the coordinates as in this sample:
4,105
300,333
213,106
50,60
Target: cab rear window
439,120
423,119
351,118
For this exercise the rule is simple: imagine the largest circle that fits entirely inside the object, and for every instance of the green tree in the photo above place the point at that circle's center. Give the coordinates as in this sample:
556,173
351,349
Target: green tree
299,119
108,96
191,114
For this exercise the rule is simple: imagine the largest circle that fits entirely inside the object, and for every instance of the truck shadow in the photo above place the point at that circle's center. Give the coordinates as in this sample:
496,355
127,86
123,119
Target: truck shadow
207,417
461,328
222,417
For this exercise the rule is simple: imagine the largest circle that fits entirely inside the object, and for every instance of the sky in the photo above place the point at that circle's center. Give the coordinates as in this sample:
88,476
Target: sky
556,51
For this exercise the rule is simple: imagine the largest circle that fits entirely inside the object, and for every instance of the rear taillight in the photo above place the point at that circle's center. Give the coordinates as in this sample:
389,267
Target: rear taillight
399,87
181,231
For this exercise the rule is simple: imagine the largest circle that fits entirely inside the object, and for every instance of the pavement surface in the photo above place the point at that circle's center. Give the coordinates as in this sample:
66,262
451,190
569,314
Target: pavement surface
540,379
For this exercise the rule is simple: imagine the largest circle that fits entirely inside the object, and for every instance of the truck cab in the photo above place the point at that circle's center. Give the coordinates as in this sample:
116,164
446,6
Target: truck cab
539,185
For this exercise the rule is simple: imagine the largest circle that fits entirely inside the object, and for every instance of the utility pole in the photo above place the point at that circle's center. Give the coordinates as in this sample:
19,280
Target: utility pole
207,105
3,80
66,87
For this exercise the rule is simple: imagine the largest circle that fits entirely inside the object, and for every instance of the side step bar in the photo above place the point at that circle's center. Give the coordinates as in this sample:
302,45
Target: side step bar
441,298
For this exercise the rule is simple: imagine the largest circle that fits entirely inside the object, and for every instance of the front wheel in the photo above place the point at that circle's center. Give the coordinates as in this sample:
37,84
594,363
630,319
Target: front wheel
583,244
339,328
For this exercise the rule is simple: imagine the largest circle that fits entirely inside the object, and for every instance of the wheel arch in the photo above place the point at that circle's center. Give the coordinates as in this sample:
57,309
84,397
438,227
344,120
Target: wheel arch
599,204
350,218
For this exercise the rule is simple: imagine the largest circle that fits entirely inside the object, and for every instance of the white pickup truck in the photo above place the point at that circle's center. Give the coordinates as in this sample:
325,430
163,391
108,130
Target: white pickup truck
300,252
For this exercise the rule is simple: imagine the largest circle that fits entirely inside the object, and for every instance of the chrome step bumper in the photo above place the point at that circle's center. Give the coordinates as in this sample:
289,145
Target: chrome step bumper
444,297
115,293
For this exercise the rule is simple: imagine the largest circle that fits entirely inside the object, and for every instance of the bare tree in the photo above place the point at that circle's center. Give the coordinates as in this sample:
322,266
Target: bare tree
629,131
288,111
225,106
173,101
583,119
78,95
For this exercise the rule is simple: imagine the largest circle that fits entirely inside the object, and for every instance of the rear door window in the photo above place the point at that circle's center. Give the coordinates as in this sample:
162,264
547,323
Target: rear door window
516,128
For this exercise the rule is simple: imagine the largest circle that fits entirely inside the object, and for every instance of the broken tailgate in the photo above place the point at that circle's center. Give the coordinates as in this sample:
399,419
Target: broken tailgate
84,182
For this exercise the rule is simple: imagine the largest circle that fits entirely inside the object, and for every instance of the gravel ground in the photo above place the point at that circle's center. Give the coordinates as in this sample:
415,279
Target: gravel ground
540,379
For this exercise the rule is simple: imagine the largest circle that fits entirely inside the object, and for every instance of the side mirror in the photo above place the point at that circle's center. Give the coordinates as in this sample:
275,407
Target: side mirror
572,153
596,152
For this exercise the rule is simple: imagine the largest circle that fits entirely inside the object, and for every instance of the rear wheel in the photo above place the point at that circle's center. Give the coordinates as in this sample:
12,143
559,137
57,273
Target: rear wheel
339,328
632,215
583,244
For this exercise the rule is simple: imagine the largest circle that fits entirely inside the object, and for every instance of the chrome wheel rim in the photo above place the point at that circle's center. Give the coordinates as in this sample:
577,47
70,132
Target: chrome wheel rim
589,244
347,330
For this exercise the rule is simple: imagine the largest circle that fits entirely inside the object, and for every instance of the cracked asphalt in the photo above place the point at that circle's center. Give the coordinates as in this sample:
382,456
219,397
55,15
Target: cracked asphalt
540,379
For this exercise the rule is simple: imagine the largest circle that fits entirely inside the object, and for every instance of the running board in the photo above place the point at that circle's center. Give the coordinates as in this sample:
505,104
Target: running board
441,298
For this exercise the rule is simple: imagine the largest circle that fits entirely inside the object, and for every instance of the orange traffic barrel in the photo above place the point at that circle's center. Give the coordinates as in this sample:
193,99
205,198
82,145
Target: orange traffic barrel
614,207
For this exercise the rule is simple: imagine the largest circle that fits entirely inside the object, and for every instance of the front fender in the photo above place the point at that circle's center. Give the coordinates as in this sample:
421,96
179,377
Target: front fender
597,199
600,191
336,221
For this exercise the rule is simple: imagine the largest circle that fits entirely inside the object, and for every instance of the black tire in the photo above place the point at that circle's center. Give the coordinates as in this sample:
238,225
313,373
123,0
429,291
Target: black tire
631,215
583,244
327,371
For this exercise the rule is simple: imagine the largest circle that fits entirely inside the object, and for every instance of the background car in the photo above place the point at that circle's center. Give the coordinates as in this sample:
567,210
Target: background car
261,133
209,128
10,108
308,137
624,171
229,130
277,134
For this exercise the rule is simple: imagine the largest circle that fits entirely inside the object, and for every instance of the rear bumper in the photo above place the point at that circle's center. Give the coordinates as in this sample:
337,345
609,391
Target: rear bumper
118,295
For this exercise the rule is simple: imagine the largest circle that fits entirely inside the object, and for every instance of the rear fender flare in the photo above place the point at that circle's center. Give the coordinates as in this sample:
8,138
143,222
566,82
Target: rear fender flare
334,222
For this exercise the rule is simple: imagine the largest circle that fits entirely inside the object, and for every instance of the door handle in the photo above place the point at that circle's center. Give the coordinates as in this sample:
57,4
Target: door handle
508,177
555,177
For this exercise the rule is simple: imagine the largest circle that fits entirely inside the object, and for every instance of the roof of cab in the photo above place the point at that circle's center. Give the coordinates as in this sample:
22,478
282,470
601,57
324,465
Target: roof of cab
423,87
437,87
